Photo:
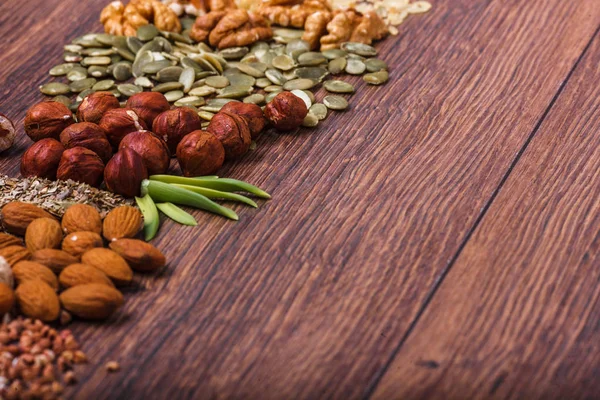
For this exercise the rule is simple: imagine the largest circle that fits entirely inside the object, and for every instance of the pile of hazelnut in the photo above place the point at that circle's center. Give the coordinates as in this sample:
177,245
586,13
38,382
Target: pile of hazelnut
123,146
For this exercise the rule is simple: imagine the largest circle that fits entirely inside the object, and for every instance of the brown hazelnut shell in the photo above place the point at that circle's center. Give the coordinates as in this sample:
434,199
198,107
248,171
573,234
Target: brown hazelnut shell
173,125
233,133
286,111
252,113
42,159
47,120
93,107
125,172
81,165
88,135
148,105
120,122
200,153
153,149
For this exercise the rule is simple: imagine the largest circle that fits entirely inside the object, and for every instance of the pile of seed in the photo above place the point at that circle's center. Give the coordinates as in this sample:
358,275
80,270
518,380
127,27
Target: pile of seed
194,75
36,361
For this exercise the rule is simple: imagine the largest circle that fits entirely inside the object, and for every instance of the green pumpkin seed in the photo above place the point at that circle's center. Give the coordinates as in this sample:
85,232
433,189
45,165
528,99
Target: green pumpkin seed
87,41
215,105
355,67
62,99
216,61
122,71
314,73
167,87
81,85
297,47
250,58
61,69
115,58
283,62
190,101
147,32
106,39
375,65
235,92
97,52
337,103
202,91
205,115
187,62
311,58
72,57
170,57
84,94
234,53
77,73
129,89
116,93
104,85
164,44
174,95
356,57
239,79
256,98
267,57
337,65
310,121
376,78
310,95
271,96
301,94
125,54
273,88
300,83
97,71
275,76
318,110
205,74
73,48
177,37
332,54
143,82
187,77
335,86
218,82
252,69
156,66
133,44
259,46
359,48
262,82
152,46
102,60
170,73
288,34
198,83
204,64
142,58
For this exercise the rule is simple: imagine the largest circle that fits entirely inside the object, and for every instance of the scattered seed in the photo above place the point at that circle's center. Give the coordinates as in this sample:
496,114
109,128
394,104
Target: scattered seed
310,95
275,76
273,88
205,115
301,94
72,57
202,91
73,48
102,60
337,103
129,89
235,92
335,86
77,73
141,60
337,65
375,64
167,87
122,71
332,54
300,83
96,52
296,47
143,82
311,58
84,94
61,69
270,96
239,79
171,73
147,32
190,101
376,78
62,99
125,53
310,121
97,71
218,82
251,70
283,62
104,85
359,48
355,67
156,66
82,84
256,98
318,110
174,95
262,83
234,53
186,78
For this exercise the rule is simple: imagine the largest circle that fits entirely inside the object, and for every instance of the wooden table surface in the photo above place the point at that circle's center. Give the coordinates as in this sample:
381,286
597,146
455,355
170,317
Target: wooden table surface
441,239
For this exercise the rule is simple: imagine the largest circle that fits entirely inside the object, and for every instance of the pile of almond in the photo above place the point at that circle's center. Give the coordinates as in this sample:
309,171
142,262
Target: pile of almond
63,268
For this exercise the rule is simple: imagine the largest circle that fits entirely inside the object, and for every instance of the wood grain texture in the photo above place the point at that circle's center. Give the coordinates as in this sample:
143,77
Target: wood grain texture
310,295
524,323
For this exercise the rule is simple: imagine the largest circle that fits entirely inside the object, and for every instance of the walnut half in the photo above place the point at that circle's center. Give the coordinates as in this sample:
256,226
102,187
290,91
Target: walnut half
125,20
350,26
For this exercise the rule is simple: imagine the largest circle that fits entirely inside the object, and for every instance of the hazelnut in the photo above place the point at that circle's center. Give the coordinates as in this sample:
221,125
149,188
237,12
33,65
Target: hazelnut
252,113
42,159
7,133
200,153
81,165
233,132
173,125
120,122
148,105
125,172
47,120
88,135
286,111
93,107
153,149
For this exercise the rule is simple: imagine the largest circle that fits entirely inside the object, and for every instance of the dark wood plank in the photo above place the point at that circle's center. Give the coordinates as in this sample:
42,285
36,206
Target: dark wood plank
310,295
518,315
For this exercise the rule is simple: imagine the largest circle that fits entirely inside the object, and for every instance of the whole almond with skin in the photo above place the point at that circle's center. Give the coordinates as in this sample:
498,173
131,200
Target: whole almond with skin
43,233
30,270
54,259
91,301
140,256
16,216
7,299
9,240
14,254
37,299
122,222
81,218
77,243
82,274
109,262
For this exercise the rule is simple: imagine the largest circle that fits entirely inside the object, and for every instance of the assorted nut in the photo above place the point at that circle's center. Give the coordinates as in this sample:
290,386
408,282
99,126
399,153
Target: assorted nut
7,133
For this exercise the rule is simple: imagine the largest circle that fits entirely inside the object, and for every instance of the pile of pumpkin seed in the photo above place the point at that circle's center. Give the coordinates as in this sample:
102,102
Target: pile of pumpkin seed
194,75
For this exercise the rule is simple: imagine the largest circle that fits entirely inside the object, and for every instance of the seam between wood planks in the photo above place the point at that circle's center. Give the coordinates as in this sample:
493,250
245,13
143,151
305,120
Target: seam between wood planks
438,282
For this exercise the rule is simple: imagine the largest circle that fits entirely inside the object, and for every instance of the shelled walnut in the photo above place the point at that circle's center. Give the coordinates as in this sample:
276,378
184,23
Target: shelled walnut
231,28
119,19
350,26
291,12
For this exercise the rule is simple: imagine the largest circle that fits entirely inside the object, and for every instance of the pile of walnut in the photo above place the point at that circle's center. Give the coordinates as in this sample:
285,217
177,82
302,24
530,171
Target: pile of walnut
62,268
144,135
221,24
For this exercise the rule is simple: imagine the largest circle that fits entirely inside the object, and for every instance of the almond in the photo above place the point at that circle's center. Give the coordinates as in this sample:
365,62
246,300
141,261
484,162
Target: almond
82,274
14,254
91,301
140,256
122,222
54,259
109,262
7,298
37,299
9,240
77,243
29,270
16,216
81,218
43,233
